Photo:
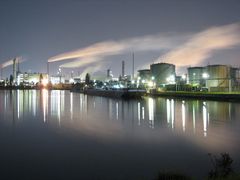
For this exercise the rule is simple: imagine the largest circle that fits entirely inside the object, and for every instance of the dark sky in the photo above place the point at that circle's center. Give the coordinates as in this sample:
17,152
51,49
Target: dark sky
38,30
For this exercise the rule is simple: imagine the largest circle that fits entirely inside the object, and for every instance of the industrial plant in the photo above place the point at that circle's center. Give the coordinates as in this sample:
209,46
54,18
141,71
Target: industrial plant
213,78
159,77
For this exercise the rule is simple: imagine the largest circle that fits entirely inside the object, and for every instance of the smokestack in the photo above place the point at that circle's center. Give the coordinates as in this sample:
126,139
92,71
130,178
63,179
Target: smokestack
108,73
123,68
133,66
1,72
18,67
48,71
14,70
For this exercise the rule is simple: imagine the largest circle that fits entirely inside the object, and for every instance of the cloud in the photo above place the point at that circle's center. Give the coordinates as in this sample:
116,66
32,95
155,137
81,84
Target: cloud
183,49
202,45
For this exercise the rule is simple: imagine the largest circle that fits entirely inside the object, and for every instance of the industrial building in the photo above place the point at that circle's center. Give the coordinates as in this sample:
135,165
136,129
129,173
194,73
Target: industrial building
195,76
109,74
31,78
215,77
144,74
221,77
57,79
163,73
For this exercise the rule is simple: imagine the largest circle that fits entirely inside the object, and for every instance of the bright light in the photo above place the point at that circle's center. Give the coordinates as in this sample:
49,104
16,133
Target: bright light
153,77
171,79
44,82
150,84
205,75
133,81
71,80
139,78
18,80
143,81
184,76
118,86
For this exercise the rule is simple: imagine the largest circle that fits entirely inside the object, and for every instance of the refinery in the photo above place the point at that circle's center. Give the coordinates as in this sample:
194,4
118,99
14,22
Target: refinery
160,77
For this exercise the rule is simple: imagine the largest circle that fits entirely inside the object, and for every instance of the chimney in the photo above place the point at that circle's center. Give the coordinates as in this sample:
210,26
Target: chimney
14,70
123,68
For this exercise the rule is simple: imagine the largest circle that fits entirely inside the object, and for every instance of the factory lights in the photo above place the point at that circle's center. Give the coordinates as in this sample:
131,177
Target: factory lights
170,79
44,82
205,75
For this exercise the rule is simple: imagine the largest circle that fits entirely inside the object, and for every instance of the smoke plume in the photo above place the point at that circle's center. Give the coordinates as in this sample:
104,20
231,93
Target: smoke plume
182,49
10,62
202,45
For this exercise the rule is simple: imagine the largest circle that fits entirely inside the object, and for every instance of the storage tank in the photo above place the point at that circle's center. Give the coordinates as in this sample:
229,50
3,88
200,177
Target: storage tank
163,73
144,74
234,73
219,77
195,75
238,74
235,76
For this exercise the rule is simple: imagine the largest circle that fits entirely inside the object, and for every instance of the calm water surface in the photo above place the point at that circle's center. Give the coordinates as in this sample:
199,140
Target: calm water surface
62,135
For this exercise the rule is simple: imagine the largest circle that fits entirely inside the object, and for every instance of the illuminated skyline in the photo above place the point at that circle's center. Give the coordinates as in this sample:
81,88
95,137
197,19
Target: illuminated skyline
206,32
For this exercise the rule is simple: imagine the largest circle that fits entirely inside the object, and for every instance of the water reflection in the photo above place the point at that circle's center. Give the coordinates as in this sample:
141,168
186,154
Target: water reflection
187,116
151,112
183,116
194,119
44,104
170,113
205,117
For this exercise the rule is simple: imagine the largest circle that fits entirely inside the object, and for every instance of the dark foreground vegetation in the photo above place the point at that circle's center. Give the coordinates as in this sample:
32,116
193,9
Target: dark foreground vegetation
221,170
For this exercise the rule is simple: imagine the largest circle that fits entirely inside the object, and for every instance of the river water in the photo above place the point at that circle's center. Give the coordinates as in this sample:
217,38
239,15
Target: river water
62,135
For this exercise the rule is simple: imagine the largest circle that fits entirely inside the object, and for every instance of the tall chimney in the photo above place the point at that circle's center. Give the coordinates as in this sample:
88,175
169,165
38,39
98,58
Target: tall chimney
18,67
14,70
133,66
1,72
123,68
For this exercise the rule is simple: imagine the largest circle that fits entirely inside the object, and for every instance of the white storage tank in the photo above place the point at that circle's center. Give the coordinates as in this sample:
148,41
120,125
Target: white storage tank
163,73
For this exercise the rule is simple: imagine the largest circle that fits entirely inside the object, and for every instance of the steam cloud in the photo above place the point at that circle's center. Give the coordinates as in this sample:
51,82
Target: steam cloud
91,70
202,45
99,51
183,50
10,62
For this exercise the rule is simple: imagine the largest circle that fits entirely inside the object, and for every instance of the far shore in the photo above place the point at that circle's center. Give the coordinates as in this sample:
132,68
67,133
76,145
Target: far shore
217,96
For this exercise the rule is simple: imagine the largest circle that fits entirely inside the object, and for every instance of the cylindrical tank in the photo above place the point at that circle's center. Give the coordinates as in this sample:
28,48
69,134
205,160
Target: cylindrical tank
218,71
195,75
163,73
219,75
235,73
144,74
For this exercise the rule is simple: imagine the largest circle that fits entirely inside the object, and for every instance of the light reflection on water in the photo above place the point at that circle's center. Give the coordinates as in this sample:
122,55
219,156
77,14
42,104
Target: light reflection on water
193,116
205,125
99,114
179,115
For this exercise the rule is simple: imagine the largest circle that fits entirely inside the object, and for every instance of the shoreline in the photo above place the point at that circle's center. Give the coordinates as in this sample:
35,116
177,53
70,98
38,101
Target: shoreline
216,96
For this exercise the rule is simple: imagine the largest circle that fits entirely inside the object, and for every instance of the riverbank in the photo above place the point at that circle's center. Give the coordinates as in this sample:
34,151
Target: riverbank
219,96
52,87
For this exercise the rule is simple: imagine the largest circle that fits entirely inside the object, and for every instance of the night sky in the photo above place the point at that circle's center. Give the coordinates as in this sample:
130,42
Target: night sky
175,31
